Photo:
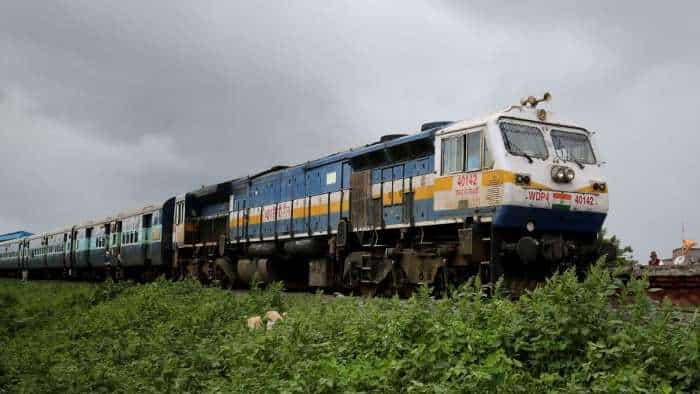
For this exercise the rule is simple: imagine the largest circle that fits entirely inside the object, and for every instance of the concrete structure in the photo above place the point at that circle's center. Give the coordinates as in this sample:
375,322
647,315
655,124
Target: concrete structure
693,255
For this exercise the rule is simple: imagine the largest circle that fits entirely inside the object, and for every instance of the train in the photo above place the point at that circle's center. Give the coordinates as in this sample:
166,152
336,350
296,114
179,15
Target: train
515,195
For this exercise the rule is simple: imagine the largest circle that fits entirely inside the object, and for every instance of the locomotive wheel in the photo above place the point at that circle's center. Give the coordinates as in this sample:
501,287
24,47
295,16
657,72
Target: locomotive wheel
367,290
192,269
224,273
388,287
406,291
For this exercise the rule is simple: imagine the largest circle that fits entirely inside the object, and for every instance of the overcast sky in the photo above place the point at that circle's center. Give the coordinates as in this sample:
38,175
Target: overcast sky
107,105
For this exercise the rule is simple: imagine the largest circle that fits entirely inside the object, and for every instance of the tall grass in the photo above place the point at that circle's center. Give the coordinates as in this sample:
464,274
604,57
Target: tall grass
568,336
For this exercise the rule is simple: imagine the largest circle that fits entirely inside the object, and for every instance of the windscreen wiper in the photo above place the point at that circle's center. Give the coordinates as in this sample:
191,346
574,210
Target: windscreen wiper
580,165
519,150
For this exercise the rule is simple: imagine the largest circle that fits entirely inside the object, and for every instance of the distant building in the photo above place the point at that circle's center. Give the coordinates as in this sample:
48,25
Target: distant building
693,255
15,235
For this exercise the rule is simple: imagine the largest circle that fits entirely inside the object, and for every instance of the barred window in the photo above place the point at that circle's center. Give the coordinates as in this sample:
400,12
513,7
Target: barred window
453,154
523,140
572,147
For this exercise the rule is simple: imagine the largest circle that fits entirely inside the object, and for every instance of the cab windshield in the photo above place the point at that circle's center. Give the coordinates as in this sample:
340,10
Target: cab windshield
572,147
524,140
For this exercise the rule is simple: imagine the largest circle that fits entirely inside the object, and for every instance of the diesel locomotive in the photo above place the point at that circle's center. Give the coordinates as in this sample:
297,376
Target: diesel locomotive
517,194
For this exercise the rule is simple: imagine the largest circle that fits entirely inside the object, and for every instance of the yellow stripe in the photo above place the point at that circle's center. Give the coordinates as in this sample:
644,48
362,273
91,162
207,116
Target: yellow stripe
336,206
589,189
386,198
500,177
255,219
320,209
316,210
233,224
423,192
442,184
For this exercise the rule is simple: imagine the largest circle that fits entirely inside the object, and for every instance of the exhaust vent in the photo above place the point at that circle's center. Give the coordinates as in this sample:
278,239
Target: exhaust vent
389,137
433,125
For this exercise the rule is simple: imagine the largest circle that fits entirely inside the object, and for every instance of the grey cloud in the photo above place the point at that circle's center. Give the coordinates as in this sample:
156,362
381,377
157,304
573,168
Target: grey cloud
105,106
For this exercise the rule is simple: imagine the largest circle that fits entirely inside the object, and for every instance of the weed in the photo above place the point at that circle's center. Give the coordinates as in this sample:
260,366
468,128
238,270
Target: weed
597,335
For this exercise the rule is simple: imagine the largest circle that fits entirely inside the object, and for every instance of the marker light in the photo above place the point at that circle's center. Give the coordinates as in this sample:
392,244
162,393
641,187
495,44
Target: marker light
599,187
522,179
530,226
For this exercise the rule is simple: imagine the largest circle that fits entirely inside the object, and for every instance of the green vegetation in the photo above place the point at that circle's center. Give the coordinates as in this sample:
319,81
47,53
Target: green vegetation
161,337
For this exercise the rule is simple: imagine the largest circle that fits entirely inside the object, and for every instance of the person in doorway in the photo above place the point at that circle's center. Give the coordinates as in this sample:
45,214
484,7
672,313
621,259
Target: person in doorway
654,259
108,265
119,272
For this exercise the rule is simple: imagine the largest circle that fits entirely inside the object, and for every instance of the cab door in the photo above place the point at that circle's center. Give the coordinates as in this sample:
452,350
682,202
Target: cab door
393,194
179,222
240,206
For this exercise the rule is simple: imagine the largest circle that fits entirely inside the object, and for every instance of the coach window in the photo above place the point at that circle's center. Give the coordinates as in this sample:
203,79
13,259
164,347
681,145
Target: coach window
453,154
474,151
488,159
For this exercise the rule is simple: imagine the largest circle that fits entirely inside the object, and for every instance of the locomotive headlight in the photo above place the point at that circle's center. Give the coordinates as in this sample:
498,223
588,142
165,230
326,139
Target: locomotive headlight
558,174
561,174
570,174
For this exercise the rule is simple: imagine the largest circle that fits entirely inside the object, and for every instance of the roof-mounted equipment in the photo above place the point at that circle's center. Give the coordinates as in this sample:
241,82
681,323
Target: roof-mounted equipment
433,125
533,101
389,137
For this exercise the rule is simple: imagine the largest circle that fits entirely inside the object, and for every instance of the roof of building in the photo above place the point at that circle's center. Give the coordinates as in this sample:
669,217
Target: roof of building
15,235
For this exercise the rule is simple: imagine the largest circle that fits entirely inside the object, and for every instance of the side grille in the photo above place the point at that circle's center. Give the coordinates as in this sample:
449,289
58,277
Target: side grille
494,191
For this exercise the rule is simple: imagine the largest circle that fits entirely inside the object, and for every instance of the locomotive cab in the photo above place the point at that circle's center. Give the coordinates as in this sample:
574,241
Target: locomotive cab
532,181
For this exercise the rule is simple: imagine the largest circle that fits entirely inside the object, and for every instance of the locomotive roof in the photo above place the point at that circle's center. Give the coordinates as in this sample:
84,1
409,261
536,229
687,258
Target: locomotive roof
436,128
341,156
393,142
515,111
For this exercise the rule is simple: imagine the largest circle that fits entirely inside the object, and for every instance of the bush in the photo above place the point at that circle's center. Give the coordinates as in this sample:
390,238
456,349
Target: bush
569,336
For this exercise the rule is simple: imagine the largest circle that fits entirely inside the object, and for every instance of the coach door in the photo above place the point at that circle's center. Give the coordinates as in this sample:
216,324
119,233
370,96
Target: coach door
114,232
73,250
146,225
